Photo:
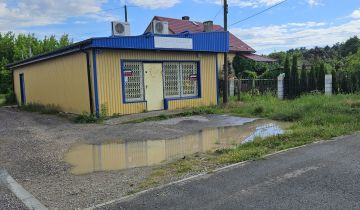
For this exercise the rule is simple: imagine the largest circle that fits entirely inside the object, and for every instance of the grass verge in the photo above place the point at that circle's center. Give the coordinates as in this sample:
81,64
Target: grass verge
2,99
314,117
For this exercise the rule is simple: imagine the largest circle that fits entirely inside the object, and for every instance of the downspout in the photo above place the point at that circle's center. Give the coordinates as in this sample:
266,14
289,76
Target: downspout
89,79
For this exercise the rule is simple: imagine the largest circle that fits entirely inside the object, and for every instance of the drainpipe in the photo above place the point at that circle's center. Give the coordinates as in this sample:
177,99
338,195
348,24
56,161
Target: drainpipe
89,79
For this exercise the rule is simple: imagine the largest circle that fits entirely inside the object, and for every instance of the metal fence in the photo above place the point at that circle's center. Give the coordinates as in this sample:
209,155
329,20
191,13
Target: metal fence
248,85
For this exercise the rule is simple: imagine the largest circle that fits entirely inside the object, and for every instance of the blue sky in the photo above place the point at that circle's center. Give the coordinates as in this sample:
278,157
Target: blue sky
295,23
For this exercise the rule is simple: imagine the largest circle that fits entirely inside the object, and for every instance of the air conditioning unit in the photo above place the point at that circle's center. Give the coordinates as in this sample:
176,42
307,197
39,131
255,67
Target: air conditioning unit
160,27
120,28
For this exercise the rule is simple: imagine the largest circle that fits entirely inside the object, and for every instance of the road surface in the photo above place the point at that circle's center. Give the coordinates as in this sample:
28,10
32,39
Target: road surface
319,176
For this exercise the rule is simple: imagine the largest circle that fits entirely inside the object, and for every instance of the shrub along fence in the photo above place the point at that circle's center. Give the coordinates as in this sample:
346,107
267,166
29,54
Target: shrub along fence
249,85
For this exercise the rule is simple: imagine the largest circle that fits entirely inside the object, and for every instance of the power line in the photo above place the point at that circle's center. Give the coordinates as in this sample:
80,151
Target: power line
217,14
256,14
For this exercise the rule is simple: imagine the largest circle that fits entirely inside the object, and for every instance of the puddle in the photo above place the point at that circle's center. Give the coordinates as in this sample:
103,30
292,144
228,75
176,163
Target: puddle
88,158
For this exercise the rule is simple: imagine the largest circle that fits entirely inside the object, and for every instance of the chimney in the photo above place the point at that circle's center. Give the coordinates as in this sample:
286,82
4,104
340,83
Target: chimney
185,18
208,26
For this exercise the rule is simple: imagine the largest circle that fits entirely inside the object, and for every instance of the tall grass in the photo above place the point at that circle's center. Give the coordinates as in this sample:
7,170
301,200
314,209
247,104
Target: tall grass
315,117
2,99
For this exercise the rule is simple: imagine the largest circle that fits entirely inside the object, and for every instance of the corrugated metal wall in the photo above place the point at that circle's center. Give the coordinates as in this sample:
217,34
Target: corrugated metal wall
110,85
60,82
231,57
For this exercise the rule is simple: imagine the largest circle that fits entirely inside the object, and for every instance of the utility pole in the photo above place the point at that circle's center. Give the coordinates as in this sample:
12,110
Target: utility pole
126,13
226,65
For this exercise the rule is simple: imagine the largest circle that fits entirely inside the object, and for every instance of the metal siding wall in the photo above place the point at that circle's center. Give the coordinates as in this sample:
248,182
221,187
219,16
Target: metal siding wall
231,57
17,86
60,82
110,84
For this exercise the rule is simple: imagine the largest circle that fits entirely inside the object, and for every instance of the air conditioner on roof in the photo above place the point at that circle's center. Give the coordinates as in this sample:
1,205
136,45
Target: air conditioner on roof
120,28
160,27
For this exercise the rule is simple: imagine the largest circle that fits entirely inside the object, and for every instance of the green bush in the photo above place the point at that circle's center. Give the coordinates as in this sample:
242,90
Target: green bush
10,98
86,118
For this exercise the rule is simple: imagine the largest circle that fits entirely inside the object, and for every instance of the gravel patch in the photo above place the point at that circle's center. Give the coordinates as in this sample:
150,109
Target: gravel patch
32,148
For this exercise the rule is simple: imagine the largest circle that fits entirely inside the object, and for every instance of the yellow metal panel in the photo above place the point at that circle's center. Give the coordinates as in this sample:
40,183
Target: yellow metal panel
110,84
153,80
61,82
231,57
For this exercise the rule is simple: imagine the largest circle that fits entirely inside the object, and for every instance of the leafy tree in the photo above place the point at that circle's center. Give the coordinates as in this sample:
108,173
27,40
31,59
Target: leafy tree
335,84
303,79
287,78
14,48
280,57
351,46
312,79
295,77
64,41
354,82
321,77
237,65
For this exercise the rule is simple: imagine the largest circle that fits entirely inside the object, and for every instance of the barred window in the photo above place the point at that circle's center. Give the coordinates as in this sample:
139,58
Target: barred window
189,79
180,79
171,79
133,81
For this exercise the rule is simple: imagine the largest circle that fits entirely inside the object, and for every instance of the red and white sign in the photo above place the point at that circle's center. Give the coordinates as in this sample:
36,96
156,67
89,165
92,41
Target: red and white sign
193,77
128,73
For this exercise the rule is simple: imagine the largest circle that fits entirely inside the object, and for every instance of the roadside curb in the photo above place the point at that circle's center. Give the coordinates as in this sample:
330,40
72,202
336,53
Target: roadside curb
24,196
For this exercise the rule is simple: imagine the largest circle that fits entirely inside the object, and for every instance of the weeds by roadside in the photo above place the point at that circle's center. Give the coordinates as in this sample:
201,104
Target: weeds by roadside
314,117
42,109
86,118
2,99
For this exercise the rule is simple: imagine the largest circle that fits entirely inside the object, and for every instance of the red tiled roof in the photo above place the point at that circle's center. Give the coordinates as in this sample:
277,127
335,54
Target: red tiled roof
178,26
258,58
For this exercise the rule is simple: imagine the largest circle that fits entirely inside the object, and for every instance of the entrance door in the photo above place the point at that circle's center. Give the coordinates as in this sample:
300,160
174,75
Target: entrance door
154,93
22,89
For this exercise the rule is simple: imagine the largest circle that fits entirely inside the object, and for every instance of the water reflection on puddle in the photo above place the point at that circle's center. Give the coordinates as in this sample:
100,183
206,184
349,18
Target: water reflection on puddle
116,156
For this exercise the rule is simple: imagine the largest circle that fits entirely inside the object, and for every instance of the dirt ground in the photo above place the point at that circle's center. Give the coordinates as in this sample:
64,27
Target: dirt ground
32,148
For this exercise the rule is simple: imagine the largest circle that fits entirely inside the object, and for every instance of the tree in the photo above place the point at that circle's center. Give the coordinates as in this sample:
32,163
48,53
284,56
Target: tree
321,77
287,78
237,65
355,82
303,79
294,77
335,84
14,48
64,41
312,79
351,46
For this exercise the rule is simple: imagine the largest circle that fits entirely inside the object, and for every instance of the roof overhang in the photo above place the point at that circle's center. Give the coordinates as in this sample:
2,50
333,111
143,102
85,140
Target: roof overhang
258,58
213,42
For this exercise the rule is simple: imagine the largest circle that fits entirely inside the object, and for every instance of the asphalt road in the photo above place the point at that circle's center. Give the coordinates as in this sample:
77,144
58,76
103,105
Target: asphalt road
318,176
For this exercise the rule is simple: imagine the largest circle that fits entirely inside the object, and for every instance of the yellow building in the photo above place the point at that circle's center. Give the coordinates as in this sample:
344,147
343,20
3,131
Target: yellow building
125,75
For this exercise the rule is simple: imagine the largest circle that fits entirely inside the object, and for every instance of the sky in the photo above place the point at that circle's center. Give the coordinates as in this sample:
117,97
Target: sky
295,23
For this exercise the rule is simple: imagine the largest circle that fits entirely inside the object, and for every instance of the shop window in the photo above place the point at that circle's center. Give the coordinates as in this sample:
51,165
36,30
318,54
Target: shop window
180,79
133,75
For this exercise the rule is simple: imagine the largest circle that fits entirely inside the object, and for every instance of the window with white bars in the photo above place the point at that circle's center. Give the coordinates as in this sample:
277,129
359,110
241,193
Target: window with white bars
133,81
180,79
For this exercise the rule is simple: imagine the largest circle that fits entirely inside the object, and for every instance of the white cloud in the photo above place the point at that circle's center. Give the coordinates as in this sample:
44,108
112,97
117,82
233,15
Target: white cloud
151,4
356,14
255,3
243,3
314,3
15,14
309,34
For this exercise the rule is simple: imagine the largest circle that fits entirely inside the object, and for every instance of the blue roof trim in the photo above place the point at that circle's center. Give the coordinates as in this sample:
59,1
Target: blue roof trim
206,42
202,42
